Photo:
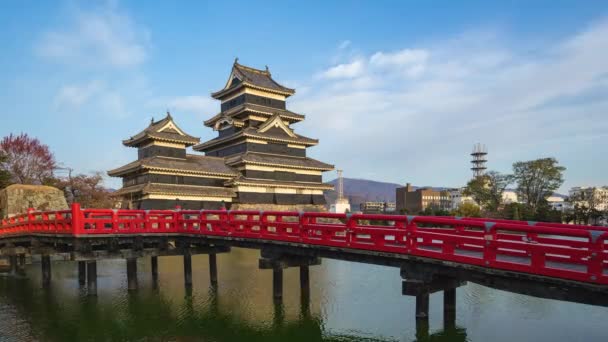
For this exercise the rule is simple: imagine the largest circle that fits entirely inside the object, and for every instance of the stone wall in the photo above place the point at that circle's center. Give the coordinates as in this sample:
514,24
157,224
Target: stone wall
279,207
16,199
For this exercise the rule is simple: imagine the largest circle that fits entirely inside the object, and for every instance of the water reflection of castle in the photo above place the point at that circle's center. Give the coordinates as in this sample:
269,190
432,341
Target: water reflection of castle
256,162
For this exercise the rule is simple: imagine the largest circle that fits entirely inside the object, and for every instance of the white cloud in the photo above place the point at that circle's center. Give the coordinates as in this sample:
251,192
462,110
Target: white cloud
105,36
521,104
193,104
347,70
75,95
94,97
409,61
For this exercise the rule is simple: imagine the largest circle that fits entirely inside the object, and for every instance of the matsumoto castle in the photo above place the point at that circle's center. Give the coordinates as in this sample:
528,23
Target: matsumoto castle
257,161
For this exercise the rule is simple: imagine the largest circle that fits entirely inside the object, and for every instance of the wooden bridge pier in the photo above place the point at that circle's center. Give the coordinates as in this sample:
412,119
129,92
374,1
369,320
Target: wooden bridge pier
154,270
45,263
188,248
82,273
421,283
132,274
92,277
277,261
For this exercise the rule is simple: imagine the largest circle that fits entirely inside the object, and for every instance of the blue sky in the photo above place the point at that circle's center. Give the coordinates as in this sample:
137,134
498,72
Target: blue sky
395,91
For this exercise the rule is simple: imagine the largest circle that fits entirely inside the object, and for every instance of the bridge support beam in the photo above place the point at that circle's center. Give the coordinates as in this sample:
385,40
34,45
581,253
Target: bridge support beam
82,273
419,283
277,283
187,269
12,259
279,261
422,307
304,282
213,269
132,274
45,263
92,278
154,269
449,309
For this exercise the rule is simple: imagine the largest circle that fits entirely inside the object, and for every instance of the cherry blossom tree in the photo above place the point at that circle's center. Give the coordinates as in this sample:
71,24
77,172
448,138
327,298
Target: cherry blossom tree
27,160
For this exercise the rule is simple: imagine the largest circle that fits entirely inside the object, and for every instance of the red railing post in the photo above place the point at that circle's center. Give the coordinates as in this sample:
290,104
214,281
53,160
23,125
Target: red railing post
30,220
351,225
489,250
76,220
411,236
596,259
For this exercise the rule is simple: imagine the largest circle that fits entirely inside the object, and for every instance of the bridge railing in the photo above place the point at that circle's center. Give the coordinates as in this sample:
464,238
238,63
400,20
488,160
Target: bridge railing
563,251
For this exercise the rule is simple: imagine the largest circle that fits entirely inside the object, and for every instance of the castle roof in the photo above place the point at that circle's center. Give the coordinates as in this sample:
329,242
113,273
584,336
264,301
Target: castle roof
243,76
202,165
176,190
265,159
278,184
251,132
257,109
163,130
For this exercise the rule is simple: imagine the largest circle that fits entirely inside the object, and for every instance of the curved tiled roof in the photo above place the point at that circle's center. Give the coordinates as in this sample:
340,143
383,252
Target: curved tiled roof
177,190
258,109
273,183
192,164
251,132
278,160
153,132
255,78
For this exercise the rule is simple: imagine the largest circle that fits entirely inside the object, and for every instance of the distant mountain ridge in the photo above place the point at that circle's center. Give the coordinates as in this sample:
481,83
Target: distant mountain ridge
363,190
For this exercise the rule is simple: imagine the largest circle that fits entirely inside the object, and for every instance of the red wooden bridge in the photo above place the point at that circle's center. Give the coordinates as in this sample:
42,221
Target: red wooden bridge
569,252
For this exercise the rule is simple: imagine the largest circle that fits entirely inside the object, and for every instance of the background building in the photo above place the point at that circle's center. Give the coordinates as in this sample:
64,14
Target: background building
457,198
413,201
556,202
590,197
377,207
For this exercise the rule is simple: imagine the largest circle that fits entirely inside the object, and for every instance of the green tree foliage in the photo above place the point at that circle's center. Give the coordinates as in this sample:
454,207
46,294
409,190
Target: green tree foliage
536,180
467,210
487,190
434,211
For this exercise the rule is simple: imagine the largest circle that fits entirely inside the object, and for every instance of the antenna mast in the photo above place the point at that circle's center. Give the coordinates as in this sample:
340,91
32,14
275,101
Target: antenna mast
479,160
340,186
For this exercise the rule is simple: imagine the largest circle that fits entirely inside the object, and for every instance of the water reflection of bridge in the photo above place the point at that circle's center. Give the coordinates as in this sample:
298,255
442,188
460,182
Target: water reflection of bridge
427,256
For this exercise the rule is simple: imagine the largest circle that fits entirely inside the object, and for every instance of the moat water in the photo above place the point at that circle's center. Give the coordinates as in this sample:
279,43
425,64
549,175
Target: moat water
349,302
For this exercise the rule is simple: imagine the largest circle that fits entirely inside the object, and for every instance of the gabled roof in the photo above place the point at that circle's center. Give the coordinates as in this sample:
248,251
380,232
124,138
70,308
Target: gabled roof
251,132
277,122
265,159
202,165
243,76
164,130
257,109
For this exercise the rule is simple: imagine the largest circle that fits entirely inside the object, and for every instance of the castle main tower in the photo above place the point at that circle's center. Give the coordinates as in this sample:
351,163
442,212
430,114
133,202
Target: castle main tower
256,139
